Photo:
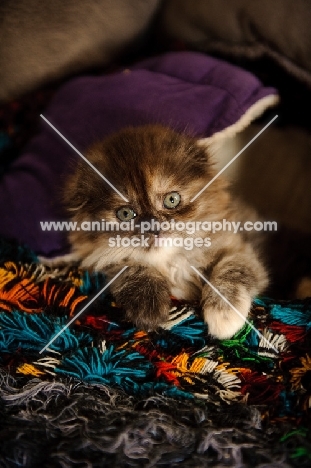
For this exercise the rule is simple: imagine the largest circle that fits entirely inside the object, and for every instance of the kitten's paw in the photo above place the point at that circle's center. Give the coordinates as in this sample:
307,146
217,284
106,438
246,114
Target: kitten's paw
223,321
148,312
144,294
145,299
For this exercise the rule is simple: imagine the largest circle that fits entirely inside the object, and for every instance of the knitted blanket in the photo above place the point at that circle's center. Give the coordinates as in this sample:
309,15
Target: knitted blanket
108,394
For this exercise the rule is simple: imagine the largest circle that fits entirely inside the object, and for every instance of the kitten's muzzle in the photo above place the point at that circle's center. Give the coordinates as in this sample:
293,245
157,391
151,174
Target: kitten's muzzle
150,225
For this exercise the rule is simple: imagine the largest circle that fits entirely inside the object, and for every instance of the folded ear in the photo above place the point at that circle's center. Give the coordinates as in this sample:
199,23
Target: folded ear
206,151
76,208
222,152
206,144
76,188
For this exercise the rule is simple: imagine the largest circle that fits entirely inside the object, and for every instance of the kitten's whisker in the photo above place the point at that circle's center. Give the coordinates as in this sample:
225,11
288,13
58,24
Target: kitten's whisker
268,343
120,252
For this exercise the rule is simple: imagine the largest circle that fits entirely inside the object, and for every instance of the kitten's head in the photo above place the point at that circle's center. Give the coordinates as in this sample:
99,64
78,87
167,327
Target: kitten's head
157,170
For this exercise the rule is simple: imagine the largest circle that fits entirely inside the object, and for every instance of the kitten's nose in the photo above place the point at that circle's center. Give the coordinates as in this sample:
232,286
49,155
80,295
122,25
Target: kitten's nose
149,224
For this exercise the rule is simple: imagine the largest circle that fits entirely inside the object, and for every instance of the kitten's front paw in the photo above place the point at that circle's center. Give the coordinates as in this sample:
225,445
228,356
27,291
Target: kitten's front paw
148,312
223,321
147,303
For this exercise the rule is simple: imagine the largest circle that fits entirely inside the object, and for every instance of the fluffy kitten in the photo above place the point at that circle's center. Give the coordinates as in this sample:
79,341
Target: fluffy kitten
159,171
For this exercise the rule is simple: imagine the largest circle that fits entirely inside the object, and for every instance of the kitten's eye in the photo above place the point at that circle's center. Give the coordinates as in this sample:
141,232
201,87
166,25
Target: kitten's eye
125,213
172,200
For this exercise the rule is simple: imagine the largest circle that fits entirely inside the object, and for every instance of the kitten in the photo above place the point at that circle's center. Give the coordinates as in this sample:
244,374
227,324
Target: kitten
159,172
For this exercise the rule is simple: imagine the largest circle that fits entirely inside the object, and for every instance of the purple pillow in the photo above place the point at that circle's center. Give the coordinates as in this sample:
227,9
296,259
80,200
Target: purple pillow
187,91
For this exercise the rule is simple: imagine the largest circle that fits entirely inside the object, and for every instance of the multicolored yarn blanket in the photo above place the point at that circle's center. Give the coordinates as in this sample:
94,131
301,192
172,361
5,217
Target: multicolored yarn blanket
124,397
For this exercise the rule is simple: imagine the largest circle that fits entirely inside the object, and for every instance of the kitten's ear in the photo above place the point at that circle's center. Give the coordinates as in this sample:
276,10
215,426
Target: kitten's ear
72,200
205,151
76,206
75,193
205,144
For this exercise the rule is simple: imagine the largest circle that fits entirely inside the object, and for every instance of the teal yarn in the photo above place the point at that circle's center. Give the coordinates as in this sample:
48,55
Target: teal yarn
190,331
20,253
5,141
110,367
92,283
252,340
287,399
33,331
294,315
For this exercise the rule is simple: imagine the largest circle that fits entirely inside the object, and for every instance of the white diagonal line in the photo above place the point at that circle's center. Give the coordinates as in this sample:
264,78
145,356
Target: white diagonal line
233,159
84,158
82,310
270,345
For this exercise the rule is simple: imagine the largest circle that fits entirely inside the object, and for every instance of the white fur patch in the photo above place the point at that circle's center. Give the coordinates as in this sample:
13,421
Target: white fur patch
224,321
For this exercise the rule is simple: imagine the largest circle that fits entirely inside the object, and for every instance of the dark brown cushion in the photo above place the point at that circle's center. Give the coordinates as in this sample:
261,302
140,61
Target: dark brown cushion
279,29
